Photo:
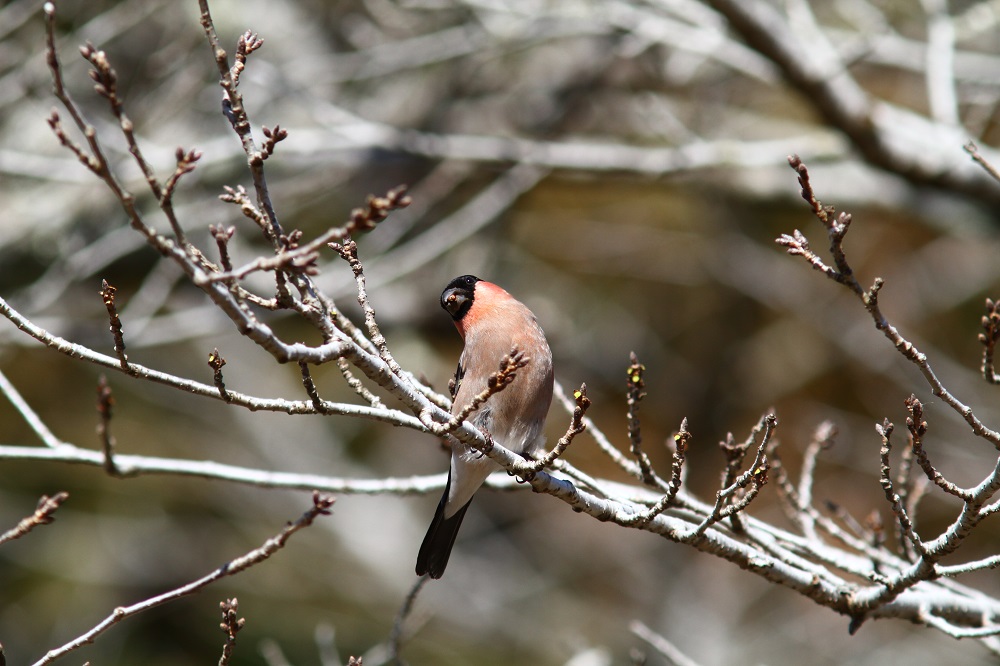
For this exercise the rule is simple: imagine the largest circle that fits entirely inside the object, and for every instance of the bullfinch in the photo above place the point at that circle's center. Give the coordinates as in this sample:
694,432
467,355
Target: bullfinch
491,322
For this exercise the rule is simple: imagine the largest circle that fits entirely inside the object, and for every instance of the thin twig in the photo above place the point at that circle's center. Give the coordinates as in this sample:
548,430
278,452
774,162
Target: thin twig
398,624
917,427
681,442
108,296
105,403
635,392
885,432
216,362
600,438
978,158
661,644
357,386
106,85
222,236
234,110
310,386
81,352
576,426
231,625
96,160
989,338
349,251
44,514
755,478
321,507
29,415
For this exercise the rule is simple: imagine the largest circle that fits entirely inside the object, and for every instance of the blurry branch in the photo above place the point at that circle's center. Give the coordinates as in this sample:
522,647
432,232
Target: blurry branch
888,136
231,625
940,78
399,623
44,514
791,45
660,644
756,41
973,150
321,507
599,156
105,402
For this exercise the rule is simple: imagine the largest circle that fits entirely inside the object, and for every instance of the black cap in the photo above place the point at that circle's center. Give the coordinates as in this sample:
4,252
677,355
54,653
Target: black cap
457,297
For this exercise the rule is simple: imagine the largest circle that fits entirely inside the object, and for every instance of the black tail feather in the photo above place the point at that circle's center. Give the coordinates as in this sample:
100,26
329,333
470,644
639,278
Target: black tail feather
440,539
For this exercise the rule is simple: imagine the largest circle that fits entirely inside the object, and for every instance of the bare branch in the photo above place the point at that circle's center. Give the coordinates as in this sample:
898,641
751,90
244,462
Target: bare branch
349,252
885,431
28,414
216,362
879,130
319,354
105,402
978,158
43,515
634,394
845,275
917,427
661,644
398,624
681,441
989,338
576,426
231,625
321,507
599,437
108,296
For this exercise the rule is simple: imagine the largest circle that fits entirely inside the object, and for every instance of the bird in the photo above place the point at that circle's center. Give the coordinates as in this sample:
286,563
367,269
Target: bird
491,322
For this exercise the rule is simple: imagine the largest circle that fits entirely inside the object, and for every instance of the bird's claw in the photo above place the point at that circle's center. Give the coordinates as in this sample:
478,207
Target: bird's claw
489,443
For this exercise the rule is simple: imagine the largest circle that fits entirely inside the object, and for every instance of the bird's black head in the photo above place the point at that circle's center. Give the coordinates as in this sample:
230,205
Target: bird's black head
457,297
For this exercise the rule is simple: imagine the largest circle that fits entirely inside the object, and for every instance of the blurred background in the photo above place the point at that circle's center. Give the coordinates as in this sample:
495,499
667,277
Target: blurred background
618,166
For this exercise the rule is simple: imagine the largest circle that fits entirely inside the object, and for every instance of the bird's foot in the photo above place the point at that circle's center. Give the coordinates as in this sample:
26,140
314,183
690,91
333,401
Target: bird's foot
489,442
